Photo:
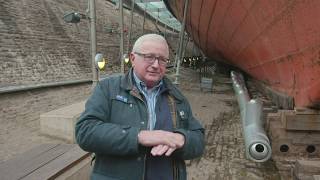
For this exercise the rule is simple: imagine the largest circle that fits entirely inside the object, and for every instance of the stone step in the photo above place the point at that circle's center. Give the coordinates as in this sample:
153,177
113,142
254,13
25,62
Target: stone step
60,123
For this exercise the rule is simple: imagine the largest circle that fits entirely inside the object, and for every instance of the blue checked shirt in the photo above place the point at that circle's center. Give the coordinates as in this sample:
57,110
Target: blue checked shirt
151,97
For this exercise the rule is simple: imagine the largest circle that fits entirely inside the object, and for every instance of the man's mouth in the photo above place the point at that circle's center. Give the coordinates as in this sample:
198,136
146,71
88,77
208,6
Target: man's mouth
155,73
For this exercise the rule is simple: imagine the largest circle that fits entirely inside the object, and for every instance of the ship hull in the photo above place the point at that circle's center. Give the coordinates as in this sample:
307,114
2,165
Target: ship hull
275,41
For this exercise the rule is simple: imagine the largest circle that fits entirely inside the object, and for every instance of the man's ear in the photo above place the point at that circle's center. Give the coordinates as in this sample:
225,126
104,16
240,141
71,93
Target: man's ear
132,58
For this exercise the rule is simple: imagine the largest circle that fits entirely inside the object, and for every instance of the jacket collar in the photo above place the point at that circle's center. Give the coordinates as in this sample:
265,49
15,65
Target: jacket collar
127,83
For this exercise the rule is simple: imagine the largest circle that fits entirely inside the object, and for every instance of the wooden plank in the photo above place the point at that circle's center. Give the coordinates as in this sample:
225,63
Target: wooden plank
305,169
80,171
19,161
316,177
27,163
59,165
309,122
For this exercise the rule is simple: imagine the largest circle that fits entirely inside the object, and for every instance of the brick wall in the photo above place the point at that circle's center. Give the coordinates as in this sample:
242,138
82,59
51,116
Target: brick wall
37,46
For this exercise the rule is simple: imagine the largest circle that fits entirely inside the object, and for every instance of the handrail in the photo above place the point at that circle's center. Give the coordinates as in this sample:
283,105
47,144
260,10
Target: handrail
13,89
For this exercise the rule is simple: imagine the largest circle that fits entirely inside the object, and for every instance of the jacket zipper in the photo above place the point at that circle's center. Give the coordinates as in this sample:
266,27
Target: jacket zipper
134,93
175,171
144,166
174,119
173,113
145,155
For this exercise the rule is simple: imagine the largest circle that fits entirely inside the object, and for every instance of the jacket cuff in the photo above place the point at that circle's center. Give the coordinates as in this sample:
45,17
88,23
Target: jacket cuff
133,142
185,134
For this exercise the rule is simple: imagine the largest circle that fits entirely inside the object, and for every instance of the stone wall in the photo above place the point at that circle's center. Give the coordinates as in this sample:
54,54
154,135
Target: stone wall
37,47
24,108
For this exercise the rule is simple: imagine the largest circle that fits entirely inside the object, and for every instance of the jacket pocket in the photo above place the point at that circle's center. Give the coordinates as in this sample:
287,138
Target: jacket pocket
124,112
118,167
98,176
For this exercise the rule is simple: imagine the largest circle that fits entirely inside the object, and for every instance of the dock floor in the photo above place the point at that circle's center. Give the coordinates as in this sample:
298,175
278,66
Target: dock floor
218,111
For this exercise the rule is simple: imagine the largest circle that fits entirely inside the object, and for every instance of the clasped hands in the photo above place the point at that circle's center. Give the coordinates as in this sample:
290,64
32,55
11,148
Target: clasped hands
162,142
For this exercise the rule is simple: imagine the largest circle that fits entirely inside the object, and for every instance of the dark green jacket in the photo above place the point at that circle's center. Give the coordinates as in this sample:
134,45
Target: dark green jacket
115,113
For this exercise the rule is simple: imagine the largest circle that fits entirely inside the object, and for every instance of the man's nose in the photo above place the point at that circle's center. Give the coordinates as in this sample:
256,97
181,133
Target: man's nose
156,62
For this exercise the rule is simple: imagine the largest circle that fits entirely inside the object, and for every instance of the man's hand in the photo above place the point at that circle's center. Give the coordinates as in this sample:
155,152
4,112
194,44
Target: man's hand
159,150
162,141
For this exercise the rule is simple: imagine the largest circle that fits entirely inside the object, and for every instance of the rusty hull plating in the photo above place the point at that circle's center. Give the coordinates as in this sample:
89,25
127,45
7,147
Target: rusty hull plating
275,41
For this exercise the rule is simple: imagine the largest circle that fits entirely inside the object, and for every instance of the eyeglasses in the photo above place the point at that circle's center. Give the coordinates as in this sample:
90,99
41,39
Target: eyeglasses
151,58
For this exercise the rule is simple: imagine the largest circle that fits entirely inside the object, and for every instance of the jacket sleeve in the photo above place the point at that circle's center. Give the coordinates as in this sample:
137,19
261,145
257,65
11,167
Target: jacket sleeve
194,138
95,133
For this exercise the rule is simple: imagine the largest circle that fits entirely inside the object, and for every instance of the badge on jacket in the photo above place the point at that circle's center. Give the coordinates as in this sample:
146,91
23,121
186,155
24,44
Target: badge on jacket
121,98
182,114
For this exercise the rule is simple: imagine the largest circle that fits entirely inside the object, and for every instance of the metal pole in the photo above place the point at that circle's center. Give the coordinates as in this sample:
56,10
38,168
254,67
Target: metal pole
157,18
121,36
177,52
93,43
131,21
144,17
193,49
181,40
157,21
185,47
165,30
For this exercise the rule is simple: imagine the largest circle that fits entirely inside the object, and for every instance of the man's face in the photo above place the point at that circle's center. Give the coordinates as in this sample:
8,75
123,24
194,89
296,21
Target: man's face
150,73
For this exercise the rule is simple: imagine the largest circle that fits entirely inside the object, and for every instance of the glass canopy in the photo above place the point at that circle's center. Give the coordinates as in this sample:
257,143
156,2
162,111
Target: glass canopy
158,10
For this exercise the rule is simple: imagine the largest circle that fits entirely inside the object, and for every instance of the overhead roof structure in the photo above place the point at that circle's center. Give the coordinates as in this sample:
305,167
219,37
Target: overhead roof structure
158,10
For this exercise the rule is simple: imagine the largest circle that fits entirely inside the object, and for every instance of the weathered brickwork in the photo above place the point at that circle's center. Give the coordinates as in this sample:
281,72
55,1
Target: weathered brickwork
224,155
37,46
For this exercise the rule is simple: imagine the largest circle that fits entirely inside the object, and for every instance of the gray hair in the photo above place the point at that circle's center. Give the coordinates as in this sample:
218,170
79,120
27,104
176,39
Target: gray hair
150,37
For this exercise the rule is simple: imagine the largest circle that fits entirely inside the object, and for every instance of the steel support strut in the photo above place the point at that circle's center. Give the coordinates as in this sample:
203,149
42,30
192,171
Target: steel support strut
121,36
131,22
257,144
181,35
93,42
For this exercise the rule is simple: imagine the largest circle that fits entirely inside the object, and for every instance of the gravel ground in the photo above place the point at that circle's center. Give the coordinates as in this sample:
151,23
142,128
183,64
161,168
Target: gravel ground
217,110
224,155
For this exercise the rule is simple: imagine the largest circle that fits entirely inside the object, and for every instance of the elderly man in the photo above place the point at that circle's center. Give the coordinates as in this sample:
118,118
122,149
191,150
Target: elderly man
139,125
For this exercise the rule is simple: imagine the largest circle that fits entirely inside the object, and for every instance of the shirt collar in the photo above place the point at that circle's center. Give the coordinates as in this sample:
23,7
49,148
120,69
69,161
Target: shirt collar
142,86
